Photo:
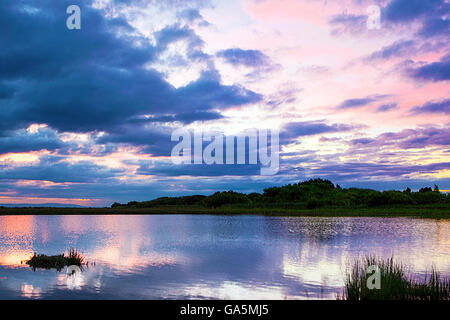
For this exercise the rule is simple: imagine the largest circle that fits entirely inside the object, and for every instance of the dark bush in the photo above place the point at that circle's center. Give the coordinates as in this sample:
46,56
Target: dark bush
312,203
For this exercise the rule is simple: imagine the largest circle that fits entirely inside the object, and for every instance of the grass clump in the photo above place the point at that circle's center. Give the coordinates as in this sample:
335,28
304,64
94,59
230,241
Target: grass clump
395,283
57,262
74,258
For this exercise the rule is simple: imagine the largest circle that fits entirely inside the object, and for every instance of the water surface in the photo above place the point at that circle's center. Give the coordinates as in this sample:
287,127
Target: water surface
209,257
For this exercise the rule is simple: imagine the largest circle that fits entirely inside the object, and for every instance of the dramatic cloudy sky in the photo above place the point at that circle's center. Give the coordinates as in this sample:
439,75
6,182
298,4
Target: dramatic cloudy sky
86,115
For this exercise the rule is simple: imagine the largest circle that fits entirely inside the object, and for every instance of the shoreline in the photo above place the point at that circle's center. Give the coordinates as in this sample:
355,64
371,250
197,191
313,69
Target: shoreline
418,212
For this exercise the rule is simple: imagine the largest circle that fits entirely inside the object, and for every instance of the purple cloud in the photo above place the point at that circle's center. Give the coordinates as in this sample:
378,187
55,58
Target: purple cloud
430,13
360,102
396,49
436,71
294,130
442,106
406,139
249,58
387,107
348,23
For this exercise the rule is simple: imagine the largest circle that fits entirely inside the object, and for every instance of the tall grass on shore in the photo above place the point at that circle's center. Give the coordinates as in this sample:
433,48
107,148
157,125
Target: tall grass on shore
395,283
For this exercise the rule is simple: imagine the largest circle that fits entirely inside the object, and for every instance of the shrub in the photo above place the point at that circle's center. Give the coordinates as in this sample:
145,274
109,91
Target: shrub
312,203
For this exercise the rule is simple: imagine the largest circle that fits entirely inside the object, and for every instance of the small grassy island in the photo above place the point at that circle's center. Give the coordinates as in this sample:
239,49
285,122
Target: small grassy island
58,262
314,197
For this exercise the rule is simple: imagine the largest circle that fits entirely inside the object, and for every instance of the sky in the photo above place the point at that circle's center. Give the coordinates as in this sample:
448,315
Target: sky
86,116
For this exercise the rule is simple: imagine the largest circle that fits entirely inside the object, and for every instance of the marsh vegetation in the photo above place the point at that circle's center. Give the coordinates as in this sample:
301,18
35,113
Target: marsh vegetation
58,262
394,282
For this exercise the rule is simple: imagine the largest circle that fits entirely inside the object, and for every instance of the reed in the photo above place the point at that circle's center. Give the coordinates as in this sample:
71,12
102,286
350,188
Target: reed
75,258
395,282
57,262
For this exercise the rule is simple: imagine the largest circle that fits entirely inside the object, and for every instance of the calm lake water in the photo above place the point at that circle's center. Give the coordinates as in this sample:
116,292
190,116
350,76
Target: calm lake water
209,257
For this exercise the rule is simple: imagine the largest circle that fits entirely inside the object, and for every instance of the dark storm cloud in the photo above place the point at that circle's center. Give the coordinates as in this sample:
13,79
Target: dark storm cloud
6,91
207,92
24,141
38,45
50,170
95,78
176,33
86,102
184,118
154,140
201,170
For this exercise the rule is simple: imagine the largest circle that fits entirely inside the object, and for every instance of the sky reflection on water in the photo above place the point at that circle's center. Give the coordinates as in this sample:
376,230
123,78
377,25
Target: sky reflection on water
193,256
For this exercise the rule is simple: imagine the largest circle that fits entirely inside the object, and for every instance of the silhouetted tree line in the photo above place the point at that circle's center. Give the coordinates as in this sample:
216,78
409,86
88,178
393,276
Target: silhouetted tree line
309,194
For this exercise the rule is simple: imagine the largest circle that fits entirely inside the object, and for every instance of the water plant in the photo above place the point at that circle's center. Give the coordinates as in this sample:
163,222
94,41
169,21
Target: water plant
75,258
394,282
57,262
